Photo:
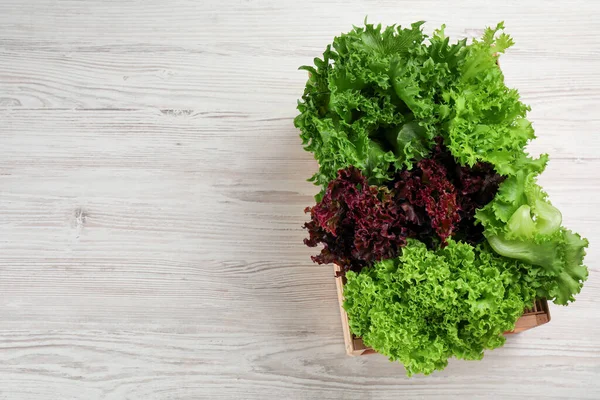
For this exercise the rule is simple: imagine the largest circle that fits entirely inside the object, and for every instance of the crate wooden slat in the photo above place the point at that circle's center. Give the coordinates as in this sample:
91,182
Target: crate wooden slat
538,315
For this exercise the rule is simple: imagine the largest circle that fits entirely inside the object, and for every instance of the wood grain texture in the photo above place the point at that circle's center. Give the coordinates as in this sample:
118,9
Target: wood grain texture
152,188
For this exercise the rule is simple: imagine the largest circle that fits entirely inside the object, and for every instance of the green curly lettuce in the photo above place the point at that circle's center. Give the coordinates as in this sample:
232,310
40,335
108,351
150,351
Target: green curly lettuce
488,121
427,306
372,100
521,223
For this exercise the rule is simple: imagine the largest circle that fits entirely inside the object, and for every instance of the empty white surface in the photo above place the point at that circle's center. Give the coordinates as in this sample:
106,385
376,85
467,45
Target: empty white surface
152,188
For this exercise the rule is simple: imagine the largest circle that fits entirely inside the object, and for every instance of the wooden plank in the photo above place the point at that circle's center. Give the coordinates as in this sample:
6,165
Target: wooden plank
349,342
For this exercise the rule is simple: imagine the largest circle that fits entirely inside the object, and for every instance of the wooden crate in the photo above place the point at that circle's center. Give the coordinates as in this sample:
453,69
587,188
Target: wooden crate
537,315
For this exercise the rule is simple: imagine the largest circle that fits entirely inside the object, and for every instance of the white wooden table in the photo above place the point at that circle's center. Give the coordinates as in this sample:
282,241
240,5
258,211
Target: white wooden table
152,188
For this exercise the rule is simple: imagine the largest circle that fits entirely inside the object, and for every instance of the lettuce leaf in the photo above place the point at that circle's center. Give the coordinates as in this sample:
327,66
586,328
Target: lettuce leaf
488,121
521,223
373,100
427,306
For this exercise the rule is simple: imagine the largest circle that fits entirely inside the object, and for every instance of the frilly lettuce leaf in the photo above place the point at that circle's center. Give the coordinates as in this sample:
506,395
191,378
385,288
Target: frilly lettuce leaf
488,121
521,223
374,100
428,306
